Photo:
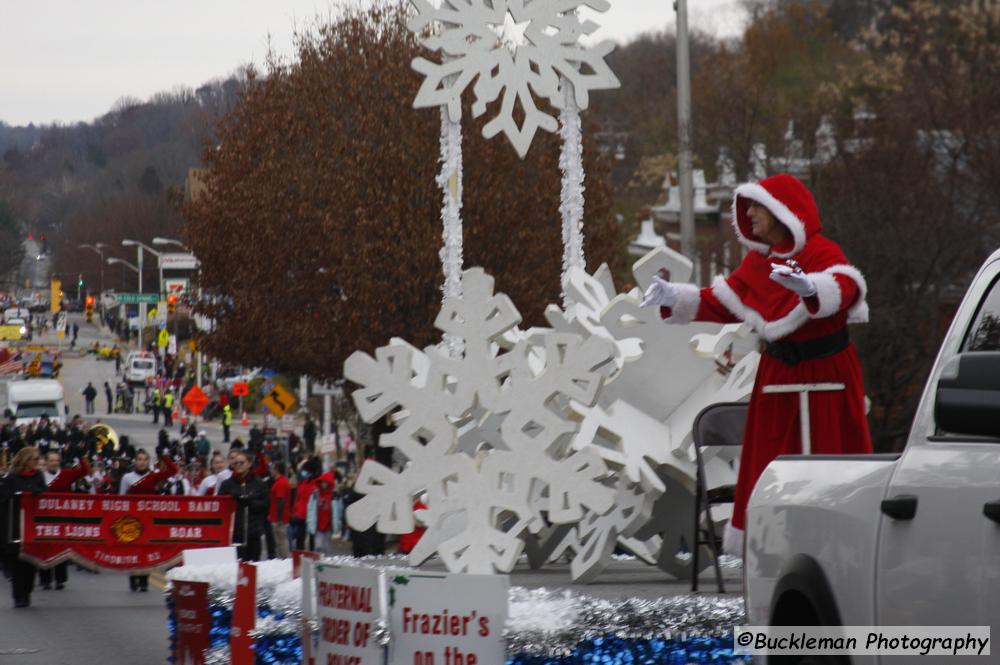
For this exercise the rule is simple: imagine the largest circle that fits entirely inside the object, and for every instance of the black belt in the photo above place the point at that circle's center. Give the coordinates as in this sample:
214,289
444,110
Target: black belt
792,353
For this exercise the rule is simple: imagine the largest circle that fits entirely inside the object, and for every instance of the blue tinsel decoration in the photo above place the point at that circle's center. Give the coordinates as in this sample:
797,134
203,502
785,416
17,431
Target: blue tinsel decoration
287,649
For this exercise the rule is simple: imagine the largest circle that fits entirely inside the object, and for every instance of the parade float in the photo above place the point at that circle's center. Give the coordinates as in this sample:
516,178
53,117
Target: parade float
527,445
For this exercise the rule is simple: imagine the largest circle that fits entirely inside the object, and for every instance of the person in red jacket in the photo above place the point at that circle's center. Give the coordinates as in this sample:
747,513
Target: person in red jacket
281,492
300,509
798,291
324,513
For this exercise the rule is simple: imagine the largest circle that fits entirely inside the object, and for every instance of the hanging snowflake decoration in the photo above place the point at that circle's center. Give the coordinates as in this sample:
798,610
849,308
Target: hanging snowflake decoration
511,49
485,434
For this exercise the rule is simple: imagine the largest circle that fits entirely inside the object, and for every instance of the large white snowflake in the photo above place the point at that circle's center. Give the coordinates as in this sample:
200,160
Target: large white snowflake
481,41
641,426
486,434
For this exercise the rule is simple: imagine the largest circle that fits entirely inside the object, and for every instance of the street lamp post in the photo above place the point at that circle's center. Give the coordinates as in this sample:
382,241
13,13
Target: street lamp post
141,246
142,305
99,248
170,241
684,176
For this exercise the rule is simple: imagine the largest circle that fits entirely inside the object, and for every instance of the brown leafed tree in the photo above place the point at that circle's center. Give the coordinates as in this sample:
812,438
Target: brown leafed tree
320,231
128,215
748,92
912,195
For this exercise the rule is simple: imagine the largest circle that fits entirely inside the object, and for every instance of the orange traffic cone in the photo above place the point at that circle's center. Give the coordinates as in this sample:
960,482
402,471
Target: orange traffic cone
244,420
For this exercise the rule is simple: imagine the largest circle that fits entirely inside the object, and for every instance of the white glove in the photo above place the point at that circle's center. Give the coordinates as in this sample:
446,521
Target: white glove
793,280
660,293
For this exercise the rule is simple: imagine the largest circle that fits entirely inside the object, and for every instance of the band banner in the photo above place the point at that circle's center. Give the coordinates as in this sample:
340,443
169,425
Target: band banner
134,533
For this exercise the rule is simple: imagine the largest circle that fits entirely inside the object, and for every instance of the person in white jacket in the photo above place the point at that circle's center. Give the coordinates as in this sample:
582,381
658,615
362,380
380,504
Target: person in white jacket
210,483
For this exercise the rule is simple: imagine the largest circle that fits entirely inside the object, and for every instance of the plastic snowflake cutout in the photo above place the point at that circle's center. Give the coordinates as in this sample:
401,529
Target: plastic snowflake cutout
481,41
486,435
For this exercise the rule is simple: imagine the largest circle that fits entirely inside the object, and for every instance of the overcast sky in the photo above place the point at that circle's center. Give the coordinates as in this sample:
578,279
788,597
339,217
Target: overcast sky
69,60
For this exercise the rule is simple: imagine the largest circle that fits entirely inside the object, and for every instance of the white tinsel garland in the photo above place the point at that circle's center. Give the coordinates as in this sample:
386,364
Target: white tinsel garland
450,182
571,164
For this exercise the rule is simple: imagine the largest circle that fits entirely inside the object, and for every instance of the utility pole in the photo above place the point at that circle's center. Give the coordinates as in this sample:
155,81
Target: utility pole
303,392
685,181
142,303
197,352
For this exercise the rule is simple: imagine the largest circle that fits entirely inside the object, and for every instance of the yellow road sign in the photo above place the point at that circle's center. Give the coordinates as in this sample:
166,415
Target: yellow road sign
279,401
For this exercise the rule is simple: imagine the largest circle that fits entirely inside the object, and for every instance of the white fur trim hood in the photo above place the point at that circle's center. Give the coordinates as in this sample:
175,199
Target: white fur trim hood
788,219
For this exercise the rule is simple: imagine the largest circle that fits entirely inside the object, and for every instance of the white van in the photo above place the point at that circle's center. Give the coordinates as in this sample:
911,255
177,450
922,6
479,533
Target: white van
140,367
32,399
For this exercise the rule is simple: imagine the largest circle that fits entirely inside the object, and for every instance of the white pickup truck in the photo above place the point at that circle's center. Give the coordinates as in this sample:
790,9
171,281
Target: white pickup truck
905,539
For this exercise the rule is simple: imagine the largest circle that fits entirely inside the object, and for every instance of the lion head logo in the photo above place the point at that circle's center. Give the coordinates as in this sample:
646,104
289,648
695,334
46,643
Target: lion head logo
126,529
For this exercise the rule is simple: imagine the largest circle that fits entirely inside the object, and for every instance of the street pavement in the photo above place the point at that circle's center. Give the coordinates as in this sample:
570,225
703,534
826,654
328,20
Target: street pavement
33,275
95,619
79,368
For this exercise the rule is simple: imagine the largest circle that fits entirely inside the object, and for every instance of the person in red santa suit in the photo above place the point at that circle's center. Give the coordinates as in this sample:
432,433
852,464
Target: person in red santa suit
798,291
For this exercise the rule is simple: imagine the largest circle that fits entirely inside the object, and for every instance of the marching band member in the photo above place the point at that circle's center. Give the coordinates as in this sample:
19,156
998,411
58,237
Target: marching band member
24,476
143,481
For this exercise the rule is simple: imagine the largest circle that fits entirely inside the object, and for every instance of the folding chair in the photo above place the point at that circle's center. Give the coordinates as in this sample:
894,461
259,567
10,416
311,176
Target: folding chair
716,426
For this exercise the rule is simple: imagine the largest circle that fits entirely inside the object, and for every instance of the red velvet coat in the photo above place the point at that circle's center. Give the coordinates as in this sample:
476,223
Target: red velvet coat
838,422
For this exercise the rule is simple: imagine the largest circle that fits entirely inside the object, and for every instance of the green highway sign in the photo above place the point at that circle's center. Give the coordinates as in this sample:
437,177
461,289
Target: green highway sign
136,298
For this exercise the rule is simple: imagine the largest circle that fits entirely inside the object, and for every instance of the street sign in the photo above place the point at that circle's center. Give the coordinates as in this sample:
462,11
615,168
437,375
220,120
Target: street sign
328,444
172,345
163,339
178,261
136,298
288,423
279,401
177,287
195,400
326,389
241,389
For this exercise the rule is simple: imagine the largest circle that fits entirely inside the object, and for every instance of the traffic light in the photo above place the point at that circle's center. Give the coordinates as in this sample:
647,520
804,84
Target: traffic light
55,296
171,304
90,308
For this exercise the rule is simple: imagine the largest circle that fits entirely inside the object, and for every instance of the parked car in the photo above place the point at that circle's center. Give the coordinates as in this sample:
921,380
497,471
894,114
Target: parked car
227,378
139,368
903,539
